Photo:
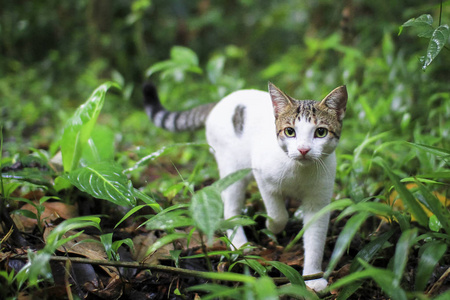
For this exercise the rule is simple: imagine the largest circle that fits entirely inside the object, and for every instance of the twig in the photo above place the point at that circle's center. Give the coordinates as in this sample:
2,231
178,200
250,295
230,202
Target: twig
234,277
439,283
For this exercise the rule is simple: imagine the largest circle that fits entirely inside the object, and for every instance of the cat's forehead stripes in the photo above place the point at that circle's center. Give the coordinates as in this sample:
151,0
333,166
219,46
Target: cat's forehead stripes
306,110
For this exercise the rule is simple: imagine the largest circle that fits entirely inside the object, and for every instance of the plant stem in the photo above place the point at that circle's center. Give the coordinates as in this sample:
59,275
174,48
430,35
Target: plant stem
233,277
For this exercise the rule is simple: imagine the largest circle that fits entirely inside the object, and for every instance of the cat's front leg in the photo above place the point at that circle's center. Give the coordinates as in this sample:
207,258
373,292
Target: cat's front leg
314,242
233,199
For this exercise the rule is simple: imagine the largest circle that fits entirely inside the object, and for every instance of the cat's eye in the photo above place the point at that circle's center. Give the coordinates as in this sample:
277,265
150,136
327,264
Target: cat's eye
321,132
289,132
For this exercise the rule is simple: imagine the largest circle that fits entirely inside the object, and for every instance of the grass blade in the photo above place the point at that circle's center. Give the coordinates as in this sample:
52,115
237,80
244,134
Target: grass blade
335,205
408,199
430,257
401,253
435,206
292,274
344,239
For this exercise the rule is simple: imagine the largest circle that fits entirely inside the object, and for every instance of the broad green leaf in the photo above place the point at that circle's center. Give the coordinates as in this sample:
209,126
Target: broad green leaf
437,42
292,274
335,205
104,181
344,239
100,146
422,23
408,199
428,260
78,128
401,254
207,210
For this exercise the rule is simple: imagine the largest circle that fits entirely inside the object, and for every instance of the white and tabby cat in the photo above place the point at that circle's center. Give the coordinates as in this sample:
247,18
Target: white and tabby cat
288,144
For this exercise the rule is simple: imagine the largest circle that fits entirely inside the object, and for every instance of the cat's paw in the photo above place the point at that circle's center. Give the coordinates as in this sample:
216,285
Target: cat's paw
317,284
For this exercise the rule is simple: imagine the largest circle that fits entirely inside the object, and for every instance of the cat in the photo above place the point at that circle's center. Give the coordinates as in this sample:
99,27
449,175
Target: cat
288,144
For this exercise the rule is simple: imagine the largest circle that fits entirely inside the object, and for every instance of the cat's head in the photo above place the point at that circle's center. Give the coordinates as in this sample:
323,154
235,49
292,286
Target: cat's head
308,130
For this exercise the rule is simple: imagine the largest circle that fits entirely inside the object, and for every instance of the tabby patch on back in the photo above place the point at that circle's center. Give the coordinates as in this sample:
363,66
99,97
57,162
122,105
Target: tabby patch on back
289,146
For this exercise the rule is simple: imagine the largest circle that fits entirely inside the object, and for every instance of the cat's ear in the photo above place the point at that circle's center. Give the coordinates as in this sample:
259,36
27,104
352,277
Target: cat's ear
337,100
280,100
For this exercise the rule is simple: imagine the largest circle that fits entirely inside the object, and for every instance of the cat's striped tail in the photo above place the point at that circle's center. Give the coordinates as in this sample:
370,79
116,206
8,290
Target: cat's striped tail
191,119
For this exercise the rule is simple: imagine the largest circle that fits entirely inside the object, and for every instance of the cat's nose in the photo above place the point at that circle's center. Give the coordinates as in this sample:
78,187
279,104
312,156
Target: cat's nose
304,150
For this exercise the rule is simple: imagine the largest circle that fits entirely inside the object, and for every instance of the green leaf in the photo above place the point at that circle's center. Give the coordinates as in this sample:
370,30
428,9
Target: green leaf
437,42
170,220
182,60
117,244
435,206
104,181
384,278
228,180
215,68
432,253
78,128
422,23
54,238
216,291
296,291
254,264
369,250
100,147
401,253
292,274
434,223
106,240
207,210
147,199
344,239
443,296
440,152
164,241
335,205
408,199
266,289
